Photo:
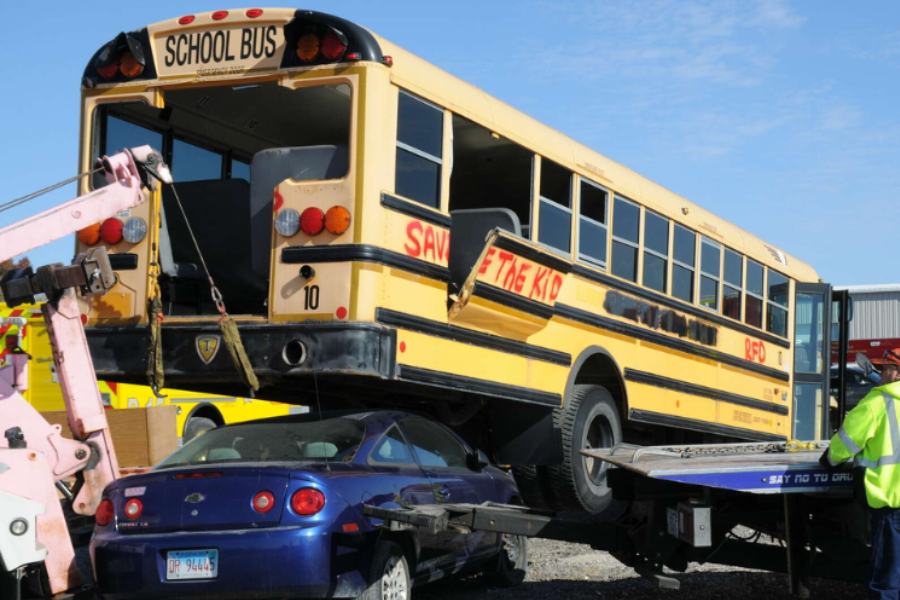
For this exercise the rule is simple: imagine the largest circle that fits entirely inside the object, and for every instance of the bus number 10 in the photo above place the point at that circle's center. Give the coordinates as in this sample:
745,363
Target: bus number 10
310,297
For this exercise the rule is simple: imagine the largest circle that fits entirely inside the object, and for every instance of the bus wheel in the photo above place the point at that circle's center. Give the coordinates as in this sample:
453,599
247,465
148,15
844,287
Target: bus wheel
197,425
533,488
590,419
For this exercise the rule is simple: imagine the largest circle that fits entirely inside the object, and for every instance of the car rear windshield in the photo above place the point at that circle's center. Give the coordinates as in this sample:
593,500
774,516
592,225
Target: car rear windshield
332,439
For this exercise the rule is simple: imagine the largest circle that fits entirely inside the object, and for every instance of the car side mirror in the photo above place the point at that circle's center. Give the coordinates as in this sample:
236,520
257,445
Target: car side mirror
864,363
477,460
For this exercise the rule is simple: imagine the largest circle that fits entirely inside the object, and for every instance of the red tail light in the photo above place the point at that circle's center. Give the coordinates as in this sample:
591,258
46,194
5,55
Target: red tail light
111,231
186,20
199,475
219,15
109,71
332,46
263,502
104,514
254,12
134,508
307,501
312,221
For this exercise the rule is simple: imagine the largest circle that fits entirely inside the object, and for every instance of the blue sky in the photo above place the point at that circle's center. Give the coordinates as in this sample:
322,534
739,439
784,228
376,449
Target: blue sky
780,116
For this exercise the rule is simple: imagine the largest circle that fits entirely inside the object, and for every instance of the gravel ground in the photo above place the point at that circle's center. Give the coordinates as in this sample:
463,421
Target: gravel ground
558,570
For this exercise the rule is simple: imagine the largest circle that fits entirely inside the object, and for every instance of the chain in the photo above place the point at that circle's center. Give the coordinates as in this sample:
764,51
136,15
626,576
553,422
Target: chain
764,448
213,290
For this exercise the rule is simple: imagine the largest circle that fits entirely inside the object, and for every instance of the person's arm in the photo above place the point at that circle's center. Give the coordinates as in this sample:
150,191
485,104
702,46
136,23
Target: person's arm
855,432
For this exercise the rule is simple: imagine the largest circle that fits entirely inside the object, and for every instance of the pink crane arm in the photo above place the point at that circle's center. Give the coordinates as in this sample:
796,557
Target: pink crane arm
122,193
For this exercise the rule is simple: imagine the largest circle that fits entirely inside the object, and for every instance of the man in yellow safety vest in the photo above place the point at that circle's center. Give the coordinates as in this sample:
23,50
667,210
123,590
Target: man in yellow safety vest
870,436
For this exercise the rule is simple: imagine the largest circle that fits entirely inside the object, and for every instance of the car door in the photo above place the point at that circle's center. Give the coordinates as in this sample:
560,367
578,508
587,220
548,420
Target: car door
406,484
443,457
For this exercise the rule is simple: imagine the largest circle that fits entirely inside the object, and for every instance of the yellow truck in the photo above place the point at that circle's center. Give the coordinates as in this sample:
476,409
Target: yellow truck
23,327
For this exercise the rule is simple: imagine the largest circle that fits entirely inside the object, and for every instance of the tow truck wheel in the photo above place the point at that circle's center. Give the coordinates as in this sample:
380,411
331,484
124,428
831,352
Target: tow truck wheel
590,419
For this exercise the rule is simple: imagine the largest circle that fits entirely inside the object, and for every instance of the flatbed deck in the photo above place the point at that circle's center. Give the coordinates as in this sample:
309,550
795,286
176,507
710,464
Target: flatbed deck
751,468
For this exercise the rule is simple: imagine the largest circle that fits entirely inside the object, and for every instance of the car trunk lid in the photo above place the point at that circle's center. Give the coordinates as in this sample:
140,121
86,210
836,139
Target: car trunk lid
201,499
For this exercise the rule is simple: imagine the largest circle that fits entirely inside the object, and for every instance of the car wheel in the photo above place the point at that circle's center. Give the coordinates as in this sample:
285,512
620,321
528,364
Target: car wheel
389,576
511,565
590,419
197,425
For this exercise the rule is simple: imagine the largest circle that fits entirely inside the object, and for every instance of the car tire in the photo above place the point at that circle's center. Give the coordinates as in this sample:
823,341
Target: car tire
389,577
590,419
197,425
511,565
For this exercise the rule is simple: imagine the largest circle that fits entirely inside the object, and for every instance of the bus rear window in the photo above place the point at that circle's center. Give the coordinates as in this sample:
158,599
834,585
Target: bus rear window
229,147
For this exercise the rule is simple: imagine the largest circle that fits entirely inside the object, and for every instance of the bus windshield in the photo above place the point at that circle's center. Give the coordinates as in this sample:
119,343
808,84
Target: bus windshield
229,147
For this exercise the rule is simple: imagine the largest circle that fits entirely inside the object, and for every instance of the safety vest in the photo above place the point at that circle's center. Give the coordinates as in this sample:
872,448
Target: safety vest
870,435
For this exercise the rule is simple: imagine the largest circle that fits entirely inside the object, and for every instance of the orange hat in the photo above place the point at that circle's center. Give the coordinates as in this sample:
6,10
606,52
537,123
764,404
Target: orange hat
892,357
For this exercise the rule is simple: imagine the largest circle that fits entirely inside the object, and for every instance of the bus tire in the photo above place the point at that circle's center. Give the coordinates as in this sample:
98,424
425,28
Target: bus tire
533,487
197,425
590,419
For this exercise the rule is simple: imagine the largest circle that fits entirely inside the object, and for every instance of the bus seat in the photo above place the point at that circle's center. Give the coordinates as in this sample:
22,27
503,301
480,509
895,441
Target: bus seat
217,210
270,167
167,262
467,236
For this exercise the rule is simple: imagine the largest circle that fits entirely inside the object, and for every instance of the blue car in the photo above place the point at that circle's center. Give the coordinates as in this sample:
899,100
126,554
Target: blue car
273,509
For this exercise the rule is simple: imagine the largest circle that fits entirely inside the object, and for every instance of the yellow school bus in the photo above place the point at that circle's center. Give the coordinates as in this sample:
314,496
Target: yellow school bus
22,329
387,235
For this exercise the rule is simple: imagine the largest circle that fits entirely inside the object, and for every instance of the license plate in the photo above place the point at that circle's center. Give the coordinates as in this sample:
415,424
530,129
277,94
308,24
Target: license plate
192,564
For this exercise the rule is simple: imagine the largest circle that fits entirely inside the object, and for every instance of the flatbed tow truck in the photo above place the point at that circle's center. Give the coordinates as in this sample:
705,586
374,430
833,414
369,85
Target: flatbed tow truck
768,506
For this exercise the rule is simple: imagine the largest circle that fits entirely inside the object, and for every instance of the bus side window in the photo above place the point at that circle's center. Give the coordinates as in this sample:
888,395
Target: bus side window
776,314
732,279
593,222
626,223
753,301
420,139
656,251
489,171
710,272
683,266
555,211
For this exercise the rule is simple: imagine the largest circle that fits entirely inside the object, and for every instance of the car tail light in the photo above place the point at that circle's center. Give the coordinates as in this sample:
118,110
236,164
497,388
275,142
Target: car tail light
308,47
130,66
312,221
90,235
287,223
199,475
307,501
333,46
111,231
337,220
105,512
134,508
263,502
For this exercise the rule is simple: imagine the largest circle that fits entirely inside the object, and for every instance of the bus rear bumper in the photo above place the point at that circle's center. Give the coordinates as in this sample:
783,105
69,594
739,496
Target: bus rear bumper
195,353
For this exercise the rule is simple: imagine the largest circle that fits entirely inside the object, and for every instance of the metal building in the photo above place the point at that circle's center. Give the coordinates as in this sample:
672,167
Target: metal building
876,311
